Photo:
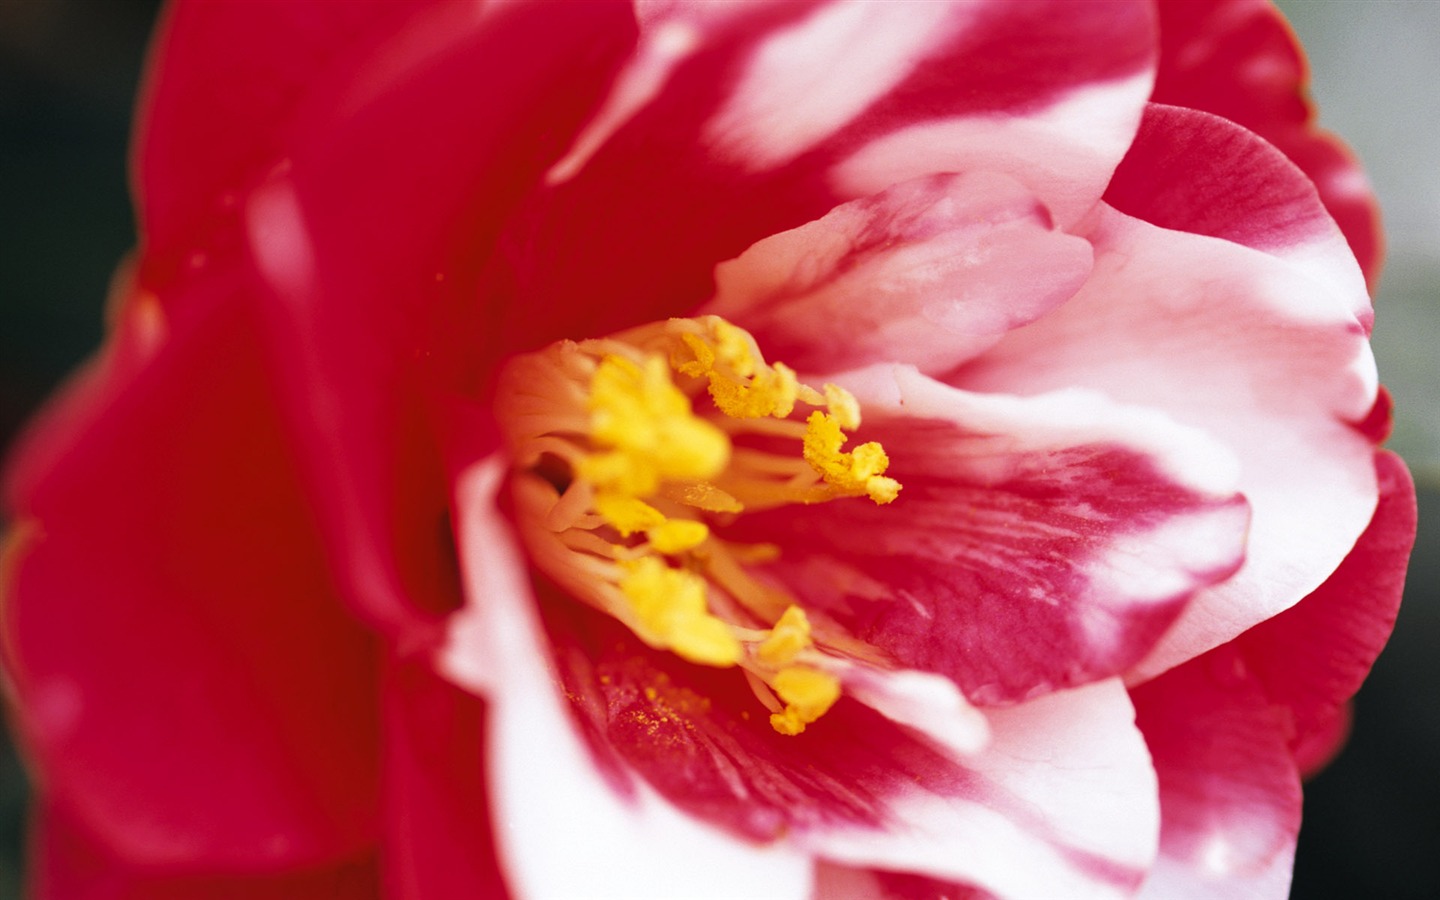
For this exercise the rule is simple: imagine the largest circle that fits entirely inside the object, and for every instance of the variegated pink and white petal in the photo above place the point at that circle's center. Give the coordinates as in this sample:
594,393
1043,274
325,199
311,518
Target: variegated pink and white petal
568,824
1229,790
836,882
928,272
1240,59
859,789
1265,349
1037,543
1312,658
730,127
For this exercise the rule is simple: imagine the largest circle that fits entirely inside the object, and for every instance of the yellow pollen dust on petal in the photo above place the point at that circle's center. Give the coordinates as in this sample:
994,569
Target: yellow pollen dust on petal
672,614
861,471
807,693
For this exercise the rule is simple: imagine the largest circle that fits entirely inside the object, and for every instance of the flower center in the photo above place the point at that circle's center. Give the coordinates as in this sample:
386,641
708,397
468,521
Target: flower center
629,448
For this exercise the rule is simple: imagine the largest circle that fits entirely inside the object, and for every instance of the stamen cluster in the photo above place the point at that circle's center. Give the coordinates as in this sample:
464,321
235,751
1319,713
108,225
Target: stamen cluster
620,480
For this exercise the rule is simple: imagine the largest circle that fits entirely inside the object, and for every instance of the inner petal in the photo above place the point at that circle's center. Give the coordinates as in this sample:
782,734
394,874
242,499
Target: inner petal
628,449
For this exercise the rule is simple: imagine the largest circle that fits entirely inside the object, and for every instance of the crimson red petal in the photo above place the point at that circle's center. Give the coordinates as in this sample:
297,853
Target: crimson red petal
1240,60
371,293
1312,657
1229,790
226,79
438,840
67,866
176,635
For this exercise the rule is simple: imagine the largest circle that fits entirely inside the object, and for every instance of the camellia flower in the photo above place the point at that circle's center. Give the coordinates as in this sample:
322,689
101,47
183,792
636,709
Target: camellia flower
819,449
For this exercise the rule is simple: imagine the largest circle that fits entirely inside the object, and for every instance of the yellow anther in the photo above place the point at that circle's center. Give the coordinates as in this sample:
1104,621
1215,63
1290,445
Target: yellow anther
740,383
843,406
628,514
650,426
787,639
677,535
807,693
859,472
671,613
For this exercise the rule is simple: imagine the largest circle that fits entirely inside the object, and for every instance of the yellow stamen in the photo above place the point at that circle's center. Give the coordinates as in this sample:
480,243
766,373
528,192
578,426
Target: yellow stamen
787,639
808,695
671,612
860,471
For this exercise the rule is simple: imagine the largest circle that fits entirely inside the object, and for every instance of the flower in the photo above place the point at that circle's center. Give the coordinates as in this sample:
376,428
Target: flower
834,449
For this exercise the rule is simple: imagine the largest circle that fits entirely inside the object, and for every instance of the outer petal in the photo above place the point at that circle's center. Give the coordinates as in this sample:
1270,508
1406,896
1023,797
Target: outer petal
1311,658
1037,543
1239,59
439,843
1188,171
65,865
216,110
1229,791
569,828
371,293
1267,353
176,635
727,129
928,272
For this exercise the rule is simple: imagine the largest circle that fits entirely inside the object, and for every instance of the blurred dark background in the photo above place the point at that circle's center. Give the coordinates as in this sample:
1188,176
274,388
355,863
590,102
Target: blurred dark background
68,74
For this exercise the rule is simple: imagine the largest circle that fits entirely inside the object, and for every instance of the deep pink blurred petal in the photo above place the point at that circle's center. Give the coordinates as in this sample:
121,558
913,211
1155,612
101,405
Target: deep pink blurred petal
1229,790
438,840
1250,347
171,631
226,79
1037,543
66,865
373,313
928,272
1239,59
1311,658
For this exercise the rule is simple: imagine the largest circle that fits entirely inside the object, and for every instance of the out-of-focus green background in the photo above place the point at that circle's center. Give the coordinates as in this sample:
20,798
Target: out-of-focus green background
68,73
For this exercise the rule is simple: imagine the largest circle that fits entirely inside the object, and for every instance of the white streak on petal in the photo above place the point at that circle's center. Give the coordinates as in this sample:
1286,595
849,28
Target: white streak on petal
1074,142
808,80
660,52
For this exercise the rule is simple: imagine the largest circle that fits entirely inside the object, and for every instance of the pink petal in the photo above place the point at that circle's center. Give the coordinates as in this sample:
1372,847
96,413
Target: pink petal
1246,347
371,293
439,841
226,79
1239,59
928,272
1189,171
176,634
65,865
857,789
1060,804
1037,543
1229,792
1312,657
835,882
742,141
571,825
